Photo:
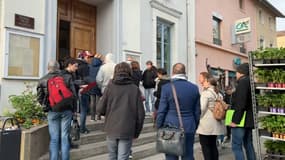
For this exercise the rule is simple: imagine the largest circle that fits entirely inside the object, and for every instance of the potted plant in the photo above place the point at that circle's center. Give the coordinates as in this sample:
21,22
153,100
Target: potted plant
277,79
275,103
266,129
268,144
267,54
262,77
270,79
27,110
257,57
283,78
275,55
282,55
262,103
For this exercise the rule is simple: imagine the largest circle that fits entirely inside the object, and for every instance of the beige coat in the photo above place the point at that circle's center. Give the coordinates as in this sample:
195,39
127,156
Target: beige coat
208,124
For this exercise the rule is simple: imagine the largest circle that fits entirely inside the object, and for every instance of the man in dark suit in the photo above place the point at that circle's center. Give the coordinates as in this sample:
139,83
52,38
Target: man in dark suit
189,101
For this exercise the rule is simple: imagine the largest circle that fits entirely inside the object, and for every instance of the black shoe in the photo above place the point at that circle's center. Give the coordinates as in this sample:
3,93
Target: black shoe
85,131
99,118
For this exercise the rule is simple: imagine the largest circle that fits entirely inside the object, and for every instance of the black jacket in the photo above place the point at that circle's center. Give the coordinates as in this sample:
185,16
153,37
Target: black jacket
42,91
157,93
123,108
242,102
148,78
137,77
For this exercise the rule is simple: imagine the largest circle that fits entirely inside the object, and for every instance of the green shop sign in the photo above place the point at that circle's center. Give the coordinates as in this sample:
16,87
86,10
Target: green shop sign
242,26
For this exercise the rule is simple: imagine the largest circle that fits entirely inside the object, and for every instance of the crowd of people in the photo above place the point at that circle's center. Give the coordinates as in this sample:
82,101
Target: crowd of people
102,88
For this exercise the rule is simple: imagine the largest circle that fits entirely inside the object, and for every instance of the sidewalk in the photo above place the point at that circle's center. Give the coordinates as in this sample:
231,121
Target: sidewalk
224,153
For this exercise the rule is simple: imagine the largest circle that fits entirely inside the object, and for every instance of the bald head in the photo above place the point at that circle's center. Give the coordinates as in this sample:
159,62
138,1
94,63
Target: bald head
178,68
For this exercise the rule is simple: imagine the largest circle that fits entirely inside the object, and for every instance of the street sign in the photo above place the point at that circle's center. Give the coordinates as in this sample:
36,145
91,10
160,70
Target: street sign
242,26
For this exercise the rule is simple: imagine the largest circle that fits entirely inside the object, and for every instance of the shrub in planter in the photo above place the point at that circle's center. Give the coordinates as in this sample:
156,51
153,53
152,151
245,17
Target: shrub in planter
27,110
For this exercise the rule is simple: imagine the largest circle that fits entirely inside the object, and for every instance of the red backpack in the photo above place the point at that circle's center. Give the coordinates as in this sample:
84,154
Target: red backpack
60,97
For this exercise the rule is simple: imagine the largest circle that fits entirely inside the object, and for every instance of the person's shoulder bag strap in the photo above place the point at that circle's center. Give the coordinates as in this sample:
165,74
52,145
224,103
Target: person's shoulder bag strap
177,106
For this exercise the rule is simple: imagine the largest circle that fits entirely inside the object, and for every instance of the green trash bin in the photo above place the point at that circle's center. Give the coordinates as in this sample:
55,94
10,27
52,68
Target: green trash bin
10,139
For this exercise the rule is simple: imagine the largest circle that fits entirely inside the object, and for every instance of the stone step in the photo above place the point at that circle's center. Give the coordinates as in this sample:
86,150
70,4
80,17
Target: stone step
98,148
139,152
99,136
99,125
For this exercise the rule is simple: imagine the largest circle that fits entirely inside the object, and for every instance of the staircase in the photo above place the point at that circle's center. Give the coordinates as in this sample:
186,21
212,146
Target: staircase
93,145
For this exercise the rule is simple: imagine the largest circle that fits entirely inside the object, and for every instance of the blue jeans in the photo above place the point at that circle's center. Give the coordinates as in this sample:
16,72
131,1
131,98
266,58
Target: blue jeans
119,149
149,99
84,105
242,137
189,142
59,126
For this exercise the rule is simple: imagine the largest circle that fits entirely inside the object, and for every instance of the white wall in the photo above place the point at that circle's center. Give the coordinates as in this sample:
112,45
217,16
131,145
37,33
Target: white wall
30,8
1,37
105,33
179,36
131,25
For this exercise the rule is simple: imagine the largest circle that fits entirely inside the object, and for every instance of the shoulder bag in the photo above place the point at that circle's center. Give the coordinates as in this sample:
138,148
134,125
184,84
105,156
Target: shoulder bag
171,140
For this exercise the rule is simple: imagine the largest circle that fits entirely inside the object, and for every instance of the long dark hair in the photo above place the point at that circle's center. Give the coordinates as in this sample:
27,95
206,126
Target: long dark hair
122,69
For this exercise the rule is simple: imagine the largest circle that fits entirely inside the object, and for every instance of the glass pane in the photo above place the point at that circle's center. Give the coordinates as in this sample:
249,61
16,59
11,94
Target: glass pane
167,57
216,28
158,54
24,54
158,32
166,34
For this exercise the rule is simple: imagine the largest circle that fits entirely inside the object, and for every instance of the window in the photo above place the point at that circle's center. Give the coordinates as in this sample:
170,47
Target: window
261,19
217,31
271,44
261,42
163,44
271,23
23,52
241,5
242,48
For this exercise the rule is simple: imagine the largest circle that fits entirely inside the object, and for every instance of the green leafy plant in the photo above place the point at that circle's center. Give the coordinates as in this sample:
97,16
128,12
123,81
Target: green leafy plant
27,110
276,75
262,75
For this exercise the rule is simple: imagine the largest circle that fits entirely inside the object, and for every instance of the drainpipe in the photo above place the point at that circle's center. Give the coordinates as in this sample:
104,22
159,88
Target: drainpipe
190,40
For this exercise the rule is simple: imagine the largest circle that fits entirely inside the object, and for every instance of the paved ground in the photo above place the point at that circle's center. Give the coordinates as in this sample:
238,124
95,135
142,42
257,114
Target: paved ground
225,153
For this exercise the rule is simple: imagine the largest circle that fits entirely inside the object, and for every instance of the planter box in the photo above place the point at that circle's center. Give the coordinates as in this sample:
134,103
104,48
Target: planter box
264,132
258,61
258,84
35,142
275,61
260,108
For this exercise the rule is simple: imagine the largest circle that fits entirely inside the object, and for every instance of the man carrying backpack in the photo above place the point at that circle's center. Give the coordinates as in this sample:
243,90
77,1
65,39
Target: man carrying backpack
56,92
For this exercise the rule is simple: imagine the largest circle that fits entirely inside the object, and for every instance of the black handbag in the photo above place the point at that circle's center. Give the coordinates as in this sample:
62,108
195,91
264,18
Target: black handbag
171,140
75,129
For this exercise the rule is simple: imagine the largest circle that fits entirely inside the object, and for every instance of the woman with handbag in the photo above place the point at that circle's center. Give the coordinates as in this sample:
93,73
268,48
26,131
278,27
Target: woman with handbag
178,116
209,128
124,113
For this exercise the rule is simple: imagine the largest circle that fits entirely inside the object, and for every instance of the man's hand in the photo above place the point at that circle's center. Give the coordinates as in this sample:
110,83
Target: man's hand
233,125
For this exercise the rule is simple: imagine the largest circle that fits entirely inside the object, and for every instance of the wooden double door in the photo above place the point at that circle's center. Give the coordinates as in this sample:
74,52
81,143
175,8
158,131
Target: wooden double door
76,28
